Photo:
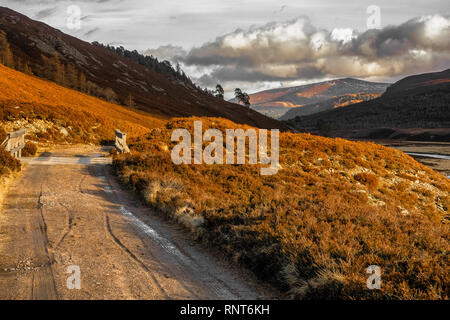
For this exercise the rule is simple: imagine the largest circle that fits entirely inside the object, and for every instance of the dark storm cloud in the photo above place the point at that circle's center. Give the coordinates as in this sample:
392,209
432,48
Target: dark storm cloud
298,50
269,54
90,32
241,74
45,13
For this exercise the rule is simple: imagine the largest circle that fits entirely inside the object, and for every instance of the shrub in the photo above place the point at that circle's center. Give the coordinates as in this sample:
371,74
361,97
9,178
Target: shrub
3,135
113,152
29,150
8,163
43,135
368,179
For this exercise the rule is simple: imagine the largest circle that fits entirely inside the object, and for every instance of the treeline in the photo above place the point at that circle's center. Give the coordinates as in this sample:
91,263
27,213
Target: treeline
424,110
67,75
55,69
150,62
163,67
7,57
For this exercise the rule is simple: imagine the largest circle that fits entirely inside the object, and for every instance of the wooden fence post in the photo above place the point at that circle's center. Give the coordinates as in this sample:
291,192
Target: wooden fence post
121,142
15,142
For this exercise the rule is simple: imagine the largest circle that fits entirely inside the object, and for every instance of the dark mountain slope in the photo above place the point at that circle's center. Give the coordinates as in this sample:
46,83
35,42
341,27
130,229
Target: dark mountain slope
49,53
421,101
420,83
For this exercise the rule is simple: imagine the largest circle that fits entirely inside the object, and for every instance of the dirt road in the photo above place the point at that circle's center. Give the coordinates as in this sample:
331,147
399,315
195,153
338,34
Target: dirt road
66,210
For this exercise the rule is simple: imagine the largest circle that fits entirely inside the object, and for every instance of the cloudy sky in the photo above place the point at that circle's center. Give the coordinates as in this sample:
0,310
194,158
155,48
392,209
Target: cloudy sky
266,44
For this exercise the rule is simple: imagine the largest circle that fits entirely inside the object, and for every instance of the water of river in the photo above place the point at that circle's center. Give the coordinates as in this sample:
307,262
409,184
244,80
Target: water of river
430,155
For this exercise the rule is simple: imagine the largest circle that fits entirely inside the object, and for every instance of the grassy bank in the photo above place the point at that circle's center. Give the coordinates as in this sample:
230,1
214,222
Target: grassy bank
8,166
334,208
52,113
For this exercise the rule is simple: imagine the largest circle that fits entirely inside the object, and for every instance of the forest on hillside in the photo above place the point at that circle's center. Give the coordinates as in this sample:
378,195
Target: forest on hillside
65,72
424,110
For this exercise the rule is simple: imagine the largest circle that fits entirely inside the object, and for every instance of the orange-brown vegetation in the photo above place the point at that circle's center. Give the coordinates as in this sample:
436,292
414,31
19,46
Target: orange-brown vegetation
368,179
8,163
350,99
29,150
3,134
266,95
113,74
437,81
6,56
280,104
315,90
334,208
52,112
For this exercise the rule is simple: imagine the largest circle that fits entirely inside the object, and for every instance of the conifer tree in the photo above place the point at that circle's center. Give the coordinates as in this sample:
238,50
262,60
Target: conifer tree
6,55
130,101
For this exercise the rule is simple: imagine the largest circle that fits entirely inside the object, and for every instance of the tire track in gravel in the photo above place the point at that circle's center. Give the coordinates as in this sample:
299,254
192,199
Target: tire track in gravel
119,243
110,191
219,287
94,223
175,270
133,256
43,281
68,228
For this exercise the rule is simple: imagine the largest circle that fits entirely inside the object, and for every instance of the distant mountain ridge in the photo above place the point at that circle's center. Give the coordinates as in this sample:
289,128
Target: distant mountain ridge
418,101
420,83
287,103
327,105
49,53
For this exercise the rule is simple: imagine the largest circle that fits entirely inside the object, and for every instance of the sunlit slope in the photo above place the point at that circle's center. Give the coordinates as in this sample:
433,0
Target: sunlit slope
313,98
114,77
58,113
334,208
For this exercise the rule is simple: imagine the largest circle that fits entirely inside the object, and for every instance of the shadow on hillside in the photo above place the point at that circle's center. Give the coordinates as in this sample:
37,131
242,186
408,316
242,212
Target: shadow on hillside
103,190
45,155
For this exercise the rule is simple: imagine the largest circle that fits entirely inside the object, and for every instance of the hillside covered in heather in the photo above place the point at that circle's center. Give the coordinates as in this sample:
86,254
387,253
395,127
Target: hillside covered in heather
334,208
36,48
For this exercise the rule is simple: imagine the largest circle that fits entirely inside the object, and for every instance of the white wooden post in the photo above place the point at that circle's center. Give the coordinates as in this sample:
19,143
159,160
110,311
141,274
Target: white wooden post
15,142
121,142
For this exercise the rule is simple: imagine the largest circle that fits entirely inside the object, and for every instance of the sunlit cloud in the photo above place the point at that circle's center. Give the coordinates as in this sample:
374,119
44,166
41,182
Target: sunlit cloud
297,50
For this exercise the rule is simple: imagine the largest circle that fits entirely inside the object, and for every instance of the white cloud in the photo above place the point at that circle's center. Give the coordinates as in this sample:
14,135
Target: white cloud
343,35
291,49
297,50
435,25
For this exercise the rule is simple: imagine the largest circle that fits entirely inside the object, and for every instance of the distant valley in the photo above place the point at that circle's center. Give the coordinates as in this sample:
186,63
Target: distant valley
287,103
414,108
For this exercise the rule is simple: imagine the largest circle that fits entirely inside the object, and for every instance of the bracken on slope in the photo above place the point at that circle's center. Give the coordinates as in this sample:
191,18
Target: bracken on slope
50,112
334,208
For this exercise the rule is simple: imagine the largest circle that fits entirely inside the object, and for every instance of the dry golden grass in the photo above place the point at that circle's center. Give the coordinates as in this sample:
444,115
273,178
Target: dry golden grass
29,150
8,164
334,208
27,100
315,90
